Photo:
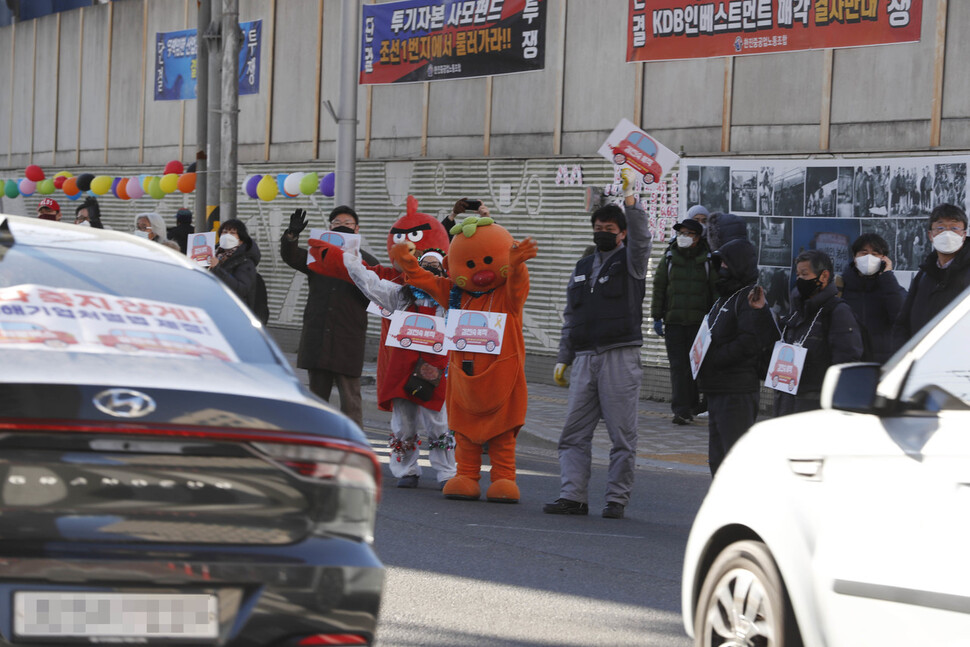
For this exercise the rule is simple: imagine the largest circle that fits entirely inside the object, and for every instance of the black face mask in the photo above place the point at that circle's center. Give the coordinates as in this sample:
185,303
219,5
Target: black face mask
808,287
434,269
343,230
604,240
726,283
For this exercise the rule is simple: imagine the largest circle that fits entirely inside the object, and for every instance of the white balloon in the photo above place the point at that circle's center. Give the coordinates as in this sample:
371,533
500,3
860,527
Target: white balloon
292,183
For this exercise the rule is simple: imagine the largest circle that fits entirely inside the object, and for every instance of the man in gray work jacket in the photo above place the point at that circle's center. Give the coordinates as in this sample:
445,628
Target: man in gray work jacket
601,338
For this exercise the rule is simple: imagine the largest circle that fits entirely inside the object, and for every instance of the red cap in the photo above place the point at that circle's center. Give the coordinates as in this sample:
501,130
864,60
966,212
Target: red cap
50,203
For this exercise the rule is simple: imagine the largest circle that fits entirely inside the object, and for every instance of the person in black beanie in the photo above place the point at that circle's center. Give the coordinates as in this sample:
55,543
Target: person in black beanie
183,227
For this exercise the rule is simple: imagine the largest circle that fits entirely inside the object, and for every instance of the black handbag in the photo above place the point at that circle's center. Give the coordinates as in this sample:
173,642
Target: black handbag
423,381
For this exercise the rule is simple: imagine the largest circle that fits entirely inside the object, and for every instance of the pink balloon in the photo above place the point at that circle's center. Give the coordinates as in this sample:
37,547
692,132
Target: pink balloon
134,188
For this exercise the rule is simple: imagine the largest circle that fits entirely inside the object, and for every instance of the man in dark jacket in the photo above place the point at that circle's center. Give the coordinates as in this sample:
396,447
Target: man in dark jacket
742,332
823,324
183,227
334,320
942,276
683,291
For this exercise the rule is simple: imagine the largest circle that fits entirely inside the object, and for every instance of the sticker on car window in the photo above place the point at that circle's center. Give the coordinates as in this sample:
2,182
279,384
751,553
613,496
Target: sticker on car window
40,317
474,331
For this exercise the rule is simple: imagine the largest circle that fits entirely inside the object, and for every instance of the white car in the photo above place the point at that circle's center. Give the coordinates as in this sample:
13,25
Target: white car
847,526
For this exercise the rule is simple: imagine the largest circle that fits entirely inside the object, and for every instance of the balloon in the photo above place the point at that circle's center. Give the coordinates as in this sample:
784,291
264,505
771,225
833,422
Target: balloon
101,184
75,196
64,174
251,185
326,184
122,189
155,188
280,182
10,189
84,181
70,187
34,173
146,182
174,166
267,188
168,183
27,187
134,188
59,181
309,183
191,167
45,187
291,185
186,183
114,187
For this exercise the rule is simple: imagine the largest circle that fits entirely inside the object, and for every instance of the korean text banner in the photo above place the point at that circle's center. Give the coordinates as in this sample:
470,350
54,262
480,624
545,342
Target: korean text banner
429,40
175,62
661,30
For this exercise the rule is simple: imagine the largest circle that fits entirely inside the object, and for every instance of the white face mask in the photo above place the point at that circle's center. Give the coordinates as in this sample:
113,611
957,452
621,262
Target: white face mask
684,241
868,264
141,234
948,242
228,241
84,223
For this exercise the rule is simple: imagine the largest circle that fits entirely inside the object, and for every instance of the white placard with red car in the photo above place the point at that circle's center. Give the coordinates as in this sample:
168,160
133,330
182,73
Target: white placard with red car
785,367
201,247
474,331
698,349
629,146
350,243
417,331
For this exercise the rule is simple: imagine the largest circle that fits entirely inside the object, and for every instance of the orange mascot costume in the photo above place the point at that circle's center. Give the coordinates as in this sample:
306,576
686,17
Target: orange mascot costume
486,394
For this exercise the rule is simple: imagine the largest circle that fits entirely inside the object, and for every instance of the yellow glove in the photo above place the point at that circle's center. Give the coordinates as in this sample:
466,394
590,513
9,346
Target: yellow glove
629,179
559,374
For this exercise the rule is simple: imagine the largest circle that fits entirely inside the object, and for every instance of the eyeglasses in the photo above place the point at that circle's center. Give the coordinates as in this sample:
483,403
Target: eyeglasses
343,223
940,229
143,227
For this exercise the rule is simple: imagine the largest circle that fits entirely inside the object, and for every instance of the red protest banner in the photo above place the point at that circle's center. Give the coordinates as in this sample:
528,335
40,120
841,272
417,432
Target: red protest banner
661,30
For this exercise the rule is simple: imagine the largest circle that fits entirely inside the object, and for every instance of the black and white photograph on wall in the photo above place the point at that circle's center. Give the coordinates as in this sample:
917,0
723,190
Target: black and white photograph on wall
912,243
775,241
693,186
879,180
715,188
862,191
905,190
843,207
744,191
884,227
833,236
950,186
765,185
789,192
821,190
754,228
777,286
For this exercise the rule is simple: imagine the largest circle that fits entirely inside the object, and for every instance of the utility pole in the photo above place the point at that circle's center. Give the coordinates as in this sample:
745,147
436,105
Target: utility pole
230,108
214,156
347,104
201,111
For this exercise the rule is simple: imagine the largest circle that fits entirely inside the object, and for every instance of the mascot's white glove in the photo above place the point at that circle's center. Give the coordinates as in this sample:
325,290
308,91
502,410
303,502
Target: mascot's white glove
559,374
629,179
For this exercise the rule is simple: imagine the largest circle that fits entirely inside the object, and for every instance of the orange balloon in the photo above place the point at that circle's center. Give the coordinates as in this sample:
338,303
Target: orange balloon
122,192
186,183
70,186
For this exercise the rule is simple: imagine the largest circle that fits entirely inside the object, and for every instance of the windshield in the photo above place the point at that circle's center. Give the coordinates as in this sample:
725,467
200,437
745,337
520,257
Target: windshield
130,277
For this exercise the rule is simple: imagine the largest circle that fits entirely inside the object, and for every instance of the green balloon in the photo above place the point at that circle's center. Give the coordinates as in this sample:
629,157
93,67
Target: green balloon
309,184
10,189
155,189
45,187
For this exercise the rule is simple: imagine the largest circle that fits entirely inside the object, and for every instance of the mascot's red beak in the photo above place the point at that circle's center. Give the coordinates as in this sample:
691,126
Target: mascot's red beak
483,278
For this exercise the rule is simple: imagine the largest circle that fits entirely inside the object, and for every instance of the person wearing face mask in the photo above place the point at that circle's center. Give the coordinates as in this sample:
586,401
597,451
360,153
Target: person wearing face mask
334,318
601,338
683,291
48,209
942,276
151,226
823,324
875,296
743,331
88,213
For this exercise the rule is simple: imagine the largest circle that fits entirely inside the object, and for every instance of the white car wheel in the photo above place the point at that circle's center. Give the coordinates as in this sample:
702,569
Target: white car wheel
743,602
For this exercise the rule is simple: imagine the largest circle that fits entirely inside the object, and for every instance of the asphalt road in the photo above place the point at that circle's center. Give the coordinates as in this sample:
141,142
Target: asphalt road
476,573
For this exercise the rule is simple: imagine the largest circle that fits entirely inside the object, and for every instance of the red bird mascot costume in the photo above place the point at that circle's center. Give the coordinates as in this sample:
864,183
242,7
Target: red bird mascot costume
486,394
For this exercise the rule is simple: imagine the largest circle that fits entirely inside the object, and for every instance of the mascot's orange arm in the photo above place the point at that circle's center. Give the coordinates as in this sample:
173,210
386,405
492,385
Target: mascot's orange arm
328,259
517,284
438,287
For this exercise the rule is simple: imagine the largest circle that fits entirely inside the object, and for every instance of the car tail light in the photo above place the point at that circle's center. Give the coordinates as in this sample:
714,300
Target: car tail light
333,639
343,465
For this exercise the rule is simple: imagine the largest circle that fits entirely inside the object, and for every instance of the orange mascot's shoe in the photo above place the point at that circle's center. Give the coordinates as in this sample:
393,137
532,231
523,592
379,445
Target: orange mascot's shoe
464,488
503,491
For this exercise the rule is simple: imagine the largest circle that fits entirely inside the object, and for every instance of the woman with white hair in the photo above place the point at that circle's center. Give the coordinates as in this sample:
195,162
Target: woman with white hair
151,225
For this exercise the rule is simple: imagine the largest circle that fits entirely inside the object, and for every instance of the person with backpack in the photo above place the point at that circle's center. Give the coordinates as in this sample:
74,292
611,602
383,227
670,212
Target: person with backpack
742,333
875,296
823,324
683,290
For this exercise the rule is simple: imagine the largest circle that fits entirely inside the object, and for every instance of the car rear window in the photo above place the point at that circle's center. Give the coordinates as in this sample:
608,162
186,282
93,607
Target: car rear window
132,277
